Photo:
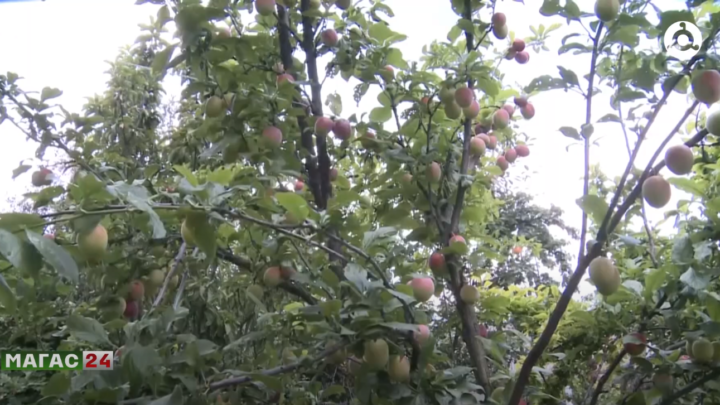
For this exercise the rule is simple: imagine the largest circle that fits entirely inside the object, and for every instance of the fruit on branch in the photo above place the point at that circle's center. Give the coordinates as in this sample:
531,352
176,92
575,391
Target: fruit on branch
323,126
511,155
436,262
387,73
314,4
287,273
50,236
343,4
499,20
706,86
273,136
481,129
156,278
368,140
231,152
477,146
469,294
255,290
528,111
457,241
285,77
137,290
607,10
272,277
522,57
187,234
433,172
452,110
604,275
214,107
500,119
500,32
265,7
132,309
656,191
679,159
483,137
663,381
522,150
338,357
42,177
93,244
115,307
518,45
502,163
520,101
342,129
636,349
509,108
422,334
376,353
174,281
447,95
482,330
517,250
329,37
472,111
702,351
492,142
224,33
407,178
333,174
712,123
510,55
423,288
399,369
299,185
464,96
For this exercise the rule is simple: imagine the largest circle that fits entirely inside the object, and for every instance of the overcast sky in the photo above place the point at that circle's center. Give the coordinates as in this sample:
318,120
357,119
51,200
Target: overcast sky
66,43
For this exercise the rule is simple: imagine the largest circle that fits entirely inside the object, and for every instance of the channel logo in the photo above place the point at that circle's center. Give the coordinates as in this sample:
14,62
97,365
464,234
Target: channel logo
682,40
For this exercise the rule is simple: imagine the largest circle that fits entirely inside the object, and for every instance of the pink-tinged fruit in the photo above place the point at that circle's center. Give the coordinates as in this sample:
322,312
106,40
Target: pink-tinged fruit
342,129
329,37
522,150
285,77
520,101
518,45
492,144
333,175
422,334
511,155
299,185
323,126
273,136
472,111
499,19
477,146
501,119
265,7
528,111
464,97
509,108
437,262
502,163
387,73
522,57
423,288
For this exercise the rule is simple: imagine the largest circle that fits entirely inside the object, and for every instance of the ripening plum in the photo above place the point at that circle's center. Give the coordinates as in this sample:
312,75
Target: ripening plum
469,294
656,191
387,73
433,172
502,163
422,334
518,45
272,277
273,136
42,177
520,101
636,349
607,10
472,111
492,144
499,19
323,126
329,37
712,123
604,275
511,155
522,57
93,244
452,110
464,97
522,150
342,129
528,111
477,146
423,288
679,159
500,32
265,7
500,119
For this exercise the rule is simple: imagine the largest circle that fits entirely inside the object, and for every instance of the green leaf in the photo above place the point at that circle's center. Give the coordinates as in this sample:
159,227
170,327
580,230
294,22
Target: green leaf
569,76
695,280
381,114
139,198
294,204
57,385
670,17
682,250
687,185
20,169
394,57
159,64
176,398
7,296
49,93
187,174
14,222
87,330
384,35
203,232
571,133
712,304
332,390
334,102
11,248
593,206
56,256
627,35
144,359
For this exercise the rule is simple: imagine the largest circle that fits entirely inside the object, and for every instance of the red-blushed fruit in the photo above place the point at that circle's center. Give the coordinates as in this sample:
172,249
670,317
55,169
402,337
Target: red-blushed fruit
94,243
684,357
706,86
273,136
528,111
499,19
484,137
510,155
265,7
342,129
137,290
433,172
502,163
42,177
492,144
422,334
285,77
604,275
425,101
329,37
407,178
287,273
423,288
333,175
323,126
481,129
522,57
368,140
679,159
272,277
469,294
50,236
517,250
482,330
518,45
520,101
299,185
636,349
376,353
509,108
437,262
501,32
656,191
522,150
472,111
387,73
132,309
457,241
399,369
464,96
477,146
214,107
500,119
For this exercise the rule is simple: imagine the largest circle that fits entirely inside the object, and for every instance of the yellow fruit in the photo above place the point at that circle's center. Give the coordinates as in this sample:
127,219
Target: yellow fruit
604,275
607,10
702,351
187,234
376,354
94,244
156,278
452,110
214,107
469,294
399,369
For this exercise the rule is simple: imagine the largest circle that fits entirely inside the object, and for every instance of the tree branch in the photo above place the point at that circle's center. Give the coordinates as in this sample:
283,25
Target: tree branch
606,376
176,262
690,387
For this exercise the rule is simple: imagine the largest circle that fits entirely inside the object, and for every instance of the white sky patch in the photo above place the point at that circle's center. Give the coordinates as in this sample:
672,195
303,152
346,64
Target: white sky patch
68,43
